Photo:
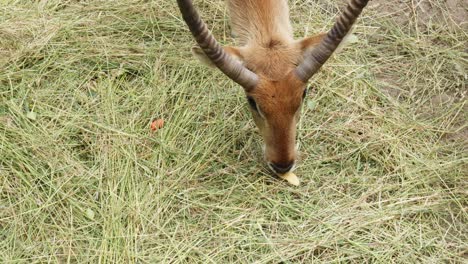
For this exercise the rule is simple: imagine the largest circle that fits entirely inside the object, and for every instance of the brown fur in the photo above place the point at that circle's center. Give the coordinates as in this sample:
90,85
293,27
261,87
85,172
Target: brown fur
279,104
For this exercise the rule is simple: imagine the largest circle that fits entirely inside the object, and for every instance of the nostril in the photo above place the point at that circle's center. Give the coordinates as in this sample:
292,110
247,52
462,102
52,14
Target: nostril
282,167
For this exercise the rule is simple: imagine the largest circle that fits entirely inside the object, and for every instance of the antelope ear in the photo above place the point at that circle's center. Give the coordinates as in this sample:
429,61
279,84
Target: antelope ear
307,43
310,42
201,56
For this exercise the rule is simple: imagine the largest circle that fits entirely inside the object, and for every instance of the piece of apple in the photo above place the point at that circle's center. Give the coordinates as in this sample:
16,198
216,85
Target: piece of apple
291,178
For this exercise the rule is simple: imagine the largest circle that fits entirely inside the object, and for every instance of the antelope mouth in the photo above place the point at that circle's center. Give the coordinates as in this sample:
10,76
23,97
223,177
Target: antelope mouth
281,170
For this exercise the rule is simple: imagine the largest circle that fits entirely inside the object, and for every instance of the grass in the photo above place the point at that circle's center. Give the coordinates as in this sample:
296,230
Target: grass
383,141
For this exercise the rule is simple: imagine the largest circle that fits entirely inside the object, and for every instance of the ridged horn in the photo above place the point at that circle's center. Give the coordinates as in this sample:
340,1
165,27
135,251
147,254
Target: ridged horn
320,54
228,65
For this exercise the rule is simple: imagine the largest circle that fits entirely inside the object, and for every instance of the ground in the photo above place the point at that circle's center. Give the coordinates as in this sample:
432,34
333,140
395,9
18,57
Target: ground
83,179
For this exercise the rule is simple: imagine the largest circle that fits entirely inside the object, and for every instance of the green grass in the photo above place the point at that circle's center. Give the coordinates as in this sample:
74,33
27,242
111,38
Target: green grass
383,141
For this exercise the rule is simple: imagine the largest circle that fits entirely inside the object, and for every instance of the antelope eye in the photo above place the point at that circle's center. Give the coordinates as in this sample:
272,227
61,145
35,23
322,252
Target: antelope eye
252,103
304,93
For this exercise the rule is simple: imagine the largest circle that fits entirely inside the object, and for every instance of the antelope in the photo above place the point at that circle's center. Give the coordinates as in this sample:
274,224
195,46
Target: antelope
271,66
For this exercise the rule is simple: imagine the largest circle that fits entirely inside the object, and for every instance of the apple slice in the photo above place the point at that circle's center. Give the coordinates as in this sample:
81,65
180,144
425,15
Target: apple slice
291,178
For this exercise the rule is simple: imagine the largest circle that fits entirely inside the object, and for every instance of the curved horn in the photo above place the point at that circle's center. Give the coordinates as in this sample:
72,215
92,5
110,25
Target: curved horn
229,66
320,54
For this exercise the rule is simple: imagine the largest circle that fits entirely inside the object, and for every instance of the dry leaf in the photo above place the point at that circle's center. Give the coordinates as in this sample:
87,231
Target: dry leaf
157,124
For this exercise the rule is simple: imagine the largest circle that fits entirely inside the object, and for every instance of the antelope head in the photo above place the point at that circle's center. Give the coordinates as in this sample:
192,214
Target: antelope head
272,67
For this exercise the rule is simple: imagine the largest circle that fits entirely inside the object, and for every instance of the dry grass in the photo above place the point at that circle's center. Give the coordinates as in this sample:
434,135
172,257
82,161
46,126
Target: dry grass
82,180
